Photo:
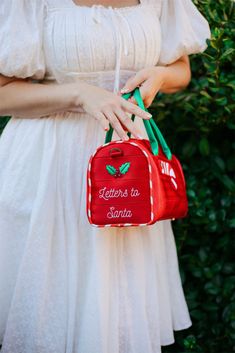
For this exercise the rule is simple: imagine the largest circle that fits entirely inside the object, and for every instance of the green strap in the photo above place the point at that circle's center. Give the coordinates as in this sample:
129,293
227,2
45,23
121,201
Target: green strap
153,132
154,129
151,136
161,139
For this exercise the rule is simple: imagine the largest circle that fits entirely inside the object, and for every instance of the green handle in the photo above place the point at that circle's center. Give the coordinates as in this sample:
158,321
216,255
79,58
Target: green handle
153,132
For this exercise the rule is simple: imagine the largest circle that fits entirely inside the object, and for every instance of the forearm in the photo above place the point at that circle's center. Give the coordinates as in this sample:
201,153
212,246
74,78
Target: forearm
34,100
176,76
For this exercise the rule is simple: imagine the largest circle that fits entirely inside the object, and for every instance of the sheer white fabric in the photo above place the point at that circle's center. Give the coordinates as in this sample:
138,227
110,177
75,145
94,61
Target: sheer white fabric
66,286
21,29
184,30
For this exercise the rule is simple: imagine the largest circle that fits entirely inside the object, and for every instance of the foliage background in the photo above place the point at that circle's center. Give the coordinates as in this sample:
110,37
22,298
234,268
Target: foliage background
199,125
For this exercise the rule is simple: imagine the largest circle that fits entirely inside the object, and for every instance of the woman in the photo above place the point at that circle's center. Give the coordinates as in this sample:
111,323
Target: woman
66,286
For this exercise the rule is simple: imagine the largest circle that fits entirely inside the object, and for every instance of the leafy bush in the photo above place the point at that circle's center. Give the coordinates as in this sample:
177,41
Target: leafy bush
199,126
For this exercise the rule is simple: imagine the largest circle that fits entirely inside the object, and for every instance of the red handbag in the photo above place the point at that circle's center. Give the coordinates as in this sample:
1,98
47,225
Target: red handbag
135,182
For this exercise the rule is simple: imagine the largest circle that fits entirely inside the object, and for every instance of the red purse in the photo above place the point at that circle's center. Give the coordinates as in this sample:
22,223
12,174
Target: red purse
135,182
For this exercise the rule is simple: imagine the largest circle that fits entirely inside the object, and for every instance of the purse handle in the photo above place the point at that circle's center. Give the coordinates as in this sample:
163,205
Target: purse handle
153,132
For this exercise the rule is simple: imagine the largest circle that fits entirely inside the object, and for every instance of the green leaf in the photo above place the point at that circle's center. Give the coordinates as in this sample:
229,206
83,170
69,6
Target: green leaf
231,223
205,94
204,147
228,182
227,53
124,167
189,148
222,101
111,169
219,162
202,254
211,288
190,342
231,84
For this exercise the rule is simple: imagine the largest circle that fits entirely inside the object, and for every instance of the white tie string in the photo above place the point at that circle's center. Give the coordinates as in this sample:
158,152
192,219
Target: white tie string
120,42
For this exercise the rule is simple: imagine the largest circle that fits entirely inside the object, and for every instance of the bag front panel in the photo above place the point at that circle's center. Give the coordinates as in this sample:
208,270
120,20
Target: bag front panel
120,186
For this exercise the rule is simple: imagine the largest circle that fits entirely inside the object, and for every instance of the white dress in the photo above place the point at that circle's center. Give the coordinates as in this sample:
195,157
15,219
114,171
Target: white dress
66,286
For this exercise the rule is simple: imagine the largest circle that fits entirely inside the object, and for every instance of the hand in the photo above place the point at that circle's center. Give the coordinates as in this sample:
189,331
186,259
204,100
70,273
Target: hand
150,80
108,107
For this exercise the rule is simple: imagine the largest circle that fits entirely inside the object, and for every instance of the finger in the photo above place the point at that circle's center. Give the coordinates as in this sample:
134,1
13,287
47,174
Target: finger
123,126
134,82
132,100
134,109
103,121
146,96
126,120
110,115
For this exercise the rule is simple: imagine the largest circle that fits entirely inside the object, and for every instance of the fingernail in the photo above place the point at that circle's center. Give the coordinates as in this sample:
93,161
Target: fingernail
124,90
106,129
149,115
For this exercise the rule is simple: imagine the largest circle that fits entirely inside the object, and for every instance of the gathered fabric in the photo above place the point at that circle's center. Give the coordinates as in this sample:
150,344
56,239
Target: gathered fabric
121,43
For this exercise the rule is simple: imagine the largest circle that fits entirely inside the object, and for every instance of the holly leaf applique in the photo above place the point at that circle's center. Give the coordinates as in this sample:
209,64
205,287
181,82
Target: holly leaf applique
111,169
124,167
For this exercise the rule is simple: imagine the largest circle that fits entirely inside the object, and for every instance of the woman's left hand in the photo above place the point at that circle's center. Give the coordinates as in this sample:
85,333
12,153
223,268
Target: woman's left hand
167,79
150,80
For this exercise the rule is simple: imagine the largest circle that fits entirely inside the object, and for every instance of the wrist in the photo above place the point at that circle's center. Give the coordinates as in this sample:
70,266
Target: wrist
162,73
75,94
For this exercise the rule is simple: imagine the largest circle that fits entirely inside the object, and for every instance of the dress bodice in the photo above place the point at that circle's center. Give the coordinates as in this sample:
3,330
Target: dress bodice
92,40
60,40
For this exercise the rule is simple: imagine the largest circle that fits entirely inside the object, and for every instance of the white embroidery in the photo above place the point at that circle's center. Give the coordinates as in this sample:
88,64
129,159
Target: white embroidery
172,173
118,213
107,194
166,169
174,183
135,192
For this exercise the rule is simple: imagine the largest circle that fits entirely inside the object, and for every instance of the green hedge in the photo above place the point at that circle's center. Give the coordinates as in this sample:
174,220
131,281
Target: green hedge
199,126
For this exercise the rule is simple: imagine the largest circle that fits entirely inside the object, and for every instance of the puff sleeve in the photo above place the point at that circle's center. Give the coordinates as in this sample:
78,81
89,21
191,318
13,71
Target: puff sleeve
184,30
21,31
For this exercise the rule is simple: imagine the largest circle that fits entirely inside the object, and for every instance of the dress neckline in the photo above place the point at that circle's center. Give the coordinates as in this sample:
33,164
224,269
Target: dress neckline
123,8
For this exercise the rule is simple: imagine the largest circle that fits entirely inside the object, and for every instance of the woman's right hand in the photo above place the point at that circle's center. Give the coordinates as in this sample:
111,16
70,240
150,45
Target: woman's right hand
108,107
